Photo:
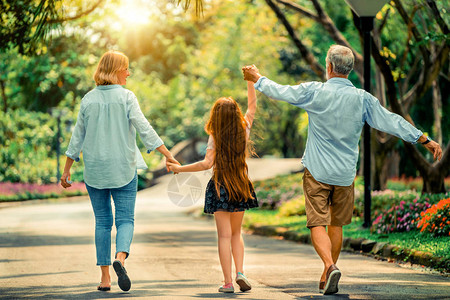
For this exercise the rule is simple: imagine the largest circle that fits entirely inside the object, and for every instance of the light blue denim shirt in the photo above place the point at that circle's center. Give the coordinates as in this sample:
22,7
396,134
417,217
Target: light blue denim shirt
337,112
106,134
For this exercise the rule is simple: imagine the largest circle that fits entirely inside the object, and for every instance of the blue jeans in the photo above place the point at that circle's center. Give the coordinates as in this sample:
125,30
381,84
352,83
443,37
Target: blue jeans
124,202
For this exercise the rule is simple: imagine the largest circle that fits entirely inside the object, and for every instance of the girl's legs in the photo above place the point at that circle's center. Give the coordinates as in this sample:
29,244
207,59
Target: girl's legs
224,234
237,242
124,202
101,203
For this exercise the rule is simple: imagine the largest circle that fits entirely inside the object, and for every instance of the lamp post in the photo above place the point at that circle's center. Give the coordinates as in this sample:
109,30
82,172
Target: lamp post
58,113
366,10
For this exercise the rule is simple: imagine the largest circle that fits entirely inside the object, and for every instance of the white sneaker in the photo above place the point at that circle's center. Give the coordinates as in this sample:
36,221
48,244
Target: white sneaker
228,288
243,283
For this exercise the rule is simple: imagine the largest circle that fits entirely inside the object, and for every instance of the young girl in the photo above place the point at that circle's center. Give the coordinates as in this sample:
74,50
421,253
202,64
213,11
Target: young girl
229,192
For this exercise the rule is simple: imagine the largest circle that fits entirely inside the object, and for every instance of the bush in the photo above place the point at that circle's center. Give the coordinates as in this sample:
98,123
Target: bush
436,219
382,200
294,207
272,193
409,183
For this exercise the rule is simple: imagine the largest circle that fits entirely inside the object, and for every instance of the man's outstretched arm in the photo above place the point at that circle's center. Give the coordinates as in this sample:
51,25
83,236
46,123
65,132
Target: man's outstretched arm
381,119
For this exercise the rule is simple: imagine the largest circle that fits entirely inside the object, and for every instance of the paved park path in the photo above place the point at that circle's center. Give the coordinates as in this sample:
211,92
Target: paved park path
47,251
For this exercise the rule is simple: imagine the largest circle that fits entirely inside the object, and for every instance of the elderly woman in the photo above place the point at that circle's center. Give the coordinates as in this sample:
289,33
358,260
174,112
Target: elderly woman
106,134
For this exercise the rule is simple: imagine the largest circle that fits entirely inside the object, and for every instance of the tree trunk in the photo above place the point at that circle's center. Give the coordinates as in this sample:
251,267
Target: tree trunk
433,174
316,67
379,168
437,107
290,135
5,99
433,181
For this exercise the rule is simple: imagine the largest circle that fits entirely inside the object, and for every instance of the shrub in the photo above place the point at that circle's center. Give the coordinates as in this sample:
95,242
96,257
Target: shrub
293,207
409,183
382,200
272,193
436,219
405,183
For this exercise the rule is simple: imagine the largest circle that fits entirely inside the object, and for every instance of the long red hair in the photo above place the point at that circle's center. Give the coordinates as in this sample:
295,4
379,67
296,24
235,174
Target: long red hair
227,126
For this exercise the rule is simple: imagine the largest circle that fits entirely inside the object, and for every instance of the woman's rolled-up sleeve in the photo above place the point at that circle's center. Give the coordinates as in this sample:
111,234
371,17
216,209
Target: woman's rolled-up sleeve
77,139
148,135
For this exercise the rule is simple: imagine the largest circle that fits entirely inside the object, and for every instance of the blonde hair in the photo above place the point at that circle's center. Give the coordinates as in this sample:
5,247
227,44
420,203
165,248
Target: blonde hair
110,63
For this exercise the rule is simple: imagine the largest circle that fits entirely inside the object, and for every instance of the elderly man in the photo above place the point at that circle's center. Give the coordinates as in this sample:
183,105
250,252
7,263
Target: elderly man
337,112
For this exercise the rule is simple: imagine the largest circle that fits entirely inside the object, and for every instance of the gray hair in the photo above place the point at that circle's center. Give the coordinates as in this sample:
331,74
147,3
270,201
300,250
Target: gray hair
341,58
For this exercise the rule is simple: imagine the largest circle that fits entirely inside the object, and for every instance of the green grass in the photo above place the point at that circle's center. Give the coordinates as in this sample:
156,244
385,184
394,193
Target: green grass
438,246
270,217
414,240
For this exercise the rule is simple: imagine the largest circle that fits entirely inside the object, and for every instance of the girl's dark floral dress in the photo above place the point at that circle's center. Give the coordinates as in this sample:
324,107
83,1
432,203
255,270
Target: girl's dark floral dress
213,203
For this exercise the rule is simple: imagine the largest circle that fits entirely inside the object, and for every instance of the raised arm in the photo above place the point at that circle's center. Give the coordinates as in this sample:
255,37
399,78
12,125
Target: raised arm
251,98
299,95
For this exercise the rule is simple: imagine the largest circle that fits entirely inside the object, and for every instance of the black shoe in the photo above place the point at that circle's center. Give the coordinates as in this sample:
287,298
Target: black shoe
123,279
103,288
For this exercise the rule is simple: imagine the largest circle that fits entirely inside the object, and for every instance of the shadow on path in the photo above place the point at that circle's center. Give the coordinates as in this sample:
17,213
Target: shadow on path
140,288
35,274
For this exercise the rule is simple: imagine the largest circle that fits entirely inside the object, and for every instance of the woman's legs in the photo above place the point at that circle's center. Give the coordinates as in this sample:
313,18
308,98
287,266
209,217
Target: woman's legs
237,242
224,234
124,202
106,278
101,204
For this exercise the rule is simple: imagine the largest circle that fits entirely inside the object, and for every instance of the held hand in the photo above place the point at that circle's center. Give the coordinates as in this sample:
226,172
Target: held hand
174,167
434,148
65,179
251,73
171,160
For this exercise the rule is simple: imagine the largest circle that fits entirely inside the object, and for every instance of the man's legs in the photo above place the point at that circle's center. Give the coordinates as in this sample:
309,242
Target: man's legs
335,235
323,246
327,206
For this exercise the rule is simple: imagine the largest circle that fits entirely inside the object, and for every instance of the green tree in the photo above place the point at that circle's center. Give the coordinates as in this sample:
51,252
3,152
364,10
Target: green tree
405,81
26,24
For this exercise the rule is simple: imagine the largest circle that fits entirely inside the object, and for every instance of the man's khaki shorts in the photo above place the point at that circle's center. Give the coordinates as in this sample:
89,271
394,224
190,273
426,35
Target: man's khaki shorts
327,204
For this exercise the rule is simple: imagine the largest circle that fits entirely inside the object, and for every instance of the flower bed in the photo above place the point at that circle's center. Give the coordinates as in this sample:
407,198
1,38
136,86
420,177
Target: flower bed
405,215
436,219
23,191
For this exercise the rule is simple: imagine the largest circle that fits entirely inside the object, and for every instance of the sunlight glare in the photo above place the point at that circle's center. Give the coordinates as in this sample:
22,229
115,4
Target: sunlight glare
134,12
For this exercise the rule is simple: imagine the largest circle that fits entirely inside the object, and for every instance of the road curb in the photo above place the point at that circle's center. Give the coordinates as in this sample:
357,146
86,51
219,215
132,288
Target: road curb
361,245
7,204
378,250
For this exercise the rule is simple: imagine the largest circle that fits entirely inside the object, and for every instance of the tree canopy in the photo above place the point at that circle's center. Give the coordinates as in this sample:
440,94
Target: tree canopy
181,61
